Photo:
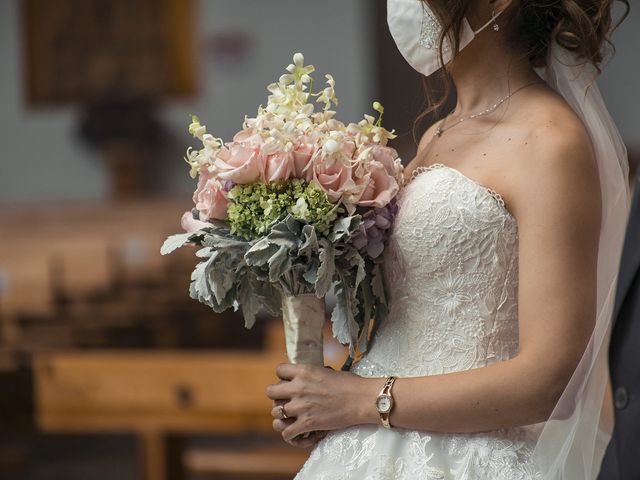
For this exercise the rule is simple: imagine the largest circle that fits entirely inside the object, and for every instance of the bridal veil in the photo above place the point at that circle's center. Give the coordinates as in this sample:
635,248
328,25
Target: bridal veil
573,440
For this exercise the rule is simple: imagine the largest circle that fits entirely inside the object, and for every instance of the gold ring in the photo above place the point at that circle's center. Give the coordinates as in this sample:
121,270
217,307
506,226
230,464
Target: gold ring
283,414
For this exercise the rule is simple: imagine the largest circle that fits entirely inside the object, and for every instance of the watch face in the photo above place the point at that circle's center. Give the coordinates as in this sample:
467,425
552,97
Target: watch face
384,403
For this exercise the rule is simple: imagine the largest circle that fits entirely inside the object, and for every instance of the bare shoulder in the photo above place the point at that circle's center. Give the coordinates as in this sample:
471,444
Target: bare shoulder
418,160
555,165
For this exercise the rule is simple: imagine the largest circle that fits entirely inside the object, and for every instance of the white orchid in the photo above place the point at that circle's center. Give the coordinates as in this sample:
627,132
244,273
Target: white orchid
298,72
205,157
328,95
369,130
290,116
195,128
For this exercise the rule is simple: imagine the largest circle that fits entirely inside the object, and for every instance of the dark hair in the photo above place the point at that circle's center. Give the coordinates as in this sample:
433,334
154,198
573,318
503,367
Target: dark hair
581,26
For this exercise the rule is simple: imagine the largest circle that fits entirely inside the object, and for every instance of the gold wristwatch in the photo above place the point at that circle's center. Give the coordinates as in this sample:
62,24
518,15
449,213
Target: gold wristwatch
384,402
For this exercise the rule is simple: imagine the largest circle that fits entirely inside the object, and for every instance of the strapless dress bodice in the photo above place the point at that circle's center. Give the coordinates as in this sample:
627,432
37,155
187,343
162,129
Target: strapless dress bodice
452,269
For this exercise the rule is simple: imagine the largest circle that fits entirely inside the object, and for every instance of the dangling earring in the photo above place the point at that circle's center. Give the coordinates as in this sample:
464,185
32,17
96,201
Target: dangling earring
496,27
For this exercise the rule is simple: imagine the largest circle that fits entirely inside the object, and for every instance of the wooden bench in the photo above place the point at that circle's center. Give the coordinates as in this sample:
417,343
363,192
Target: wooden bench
253,463
159,394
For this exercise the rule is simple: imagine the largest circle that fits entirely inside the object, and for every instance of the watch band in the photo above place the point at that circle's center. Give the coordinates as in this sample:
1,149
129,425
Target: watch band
386,390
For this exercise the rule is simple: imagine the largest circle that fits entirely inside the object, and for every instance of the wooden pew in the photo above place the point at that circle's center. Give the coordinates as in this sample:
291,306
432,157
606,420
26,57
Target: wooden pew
264,463
157,394
153,395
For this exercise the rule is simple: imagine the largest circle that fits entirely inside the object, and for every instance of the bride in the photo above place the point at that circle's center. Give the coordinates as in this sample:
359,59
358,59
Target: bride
502,263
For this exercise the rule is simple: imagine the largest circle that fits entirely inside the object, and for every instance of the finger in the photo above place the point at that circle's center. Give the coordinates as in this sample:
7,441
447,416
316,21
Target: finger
276,412
280,391
286,371
299,426
307,442
279,425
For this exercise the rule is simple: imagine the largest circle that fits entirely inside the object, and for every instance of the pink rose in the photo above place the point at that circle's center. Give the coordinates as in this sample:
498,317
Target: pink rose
210,198
334,179
387,157
248,137
379,186
278,165
190,224
238,163
348,148
302,155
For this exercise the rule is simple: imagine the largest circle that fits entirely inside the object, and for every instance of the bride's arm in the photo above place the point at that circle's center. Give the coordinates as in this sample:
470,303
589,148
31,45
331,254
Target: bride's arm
557,205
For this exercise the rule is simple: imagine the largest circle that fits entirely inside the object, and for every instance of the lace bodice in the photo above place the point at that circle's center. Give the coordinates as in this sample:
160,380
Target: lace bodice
452,266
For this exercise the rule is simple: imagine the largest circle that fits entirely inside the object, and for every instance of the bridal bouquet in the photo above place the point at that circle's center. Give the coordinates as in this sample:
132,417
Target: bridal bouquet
297,204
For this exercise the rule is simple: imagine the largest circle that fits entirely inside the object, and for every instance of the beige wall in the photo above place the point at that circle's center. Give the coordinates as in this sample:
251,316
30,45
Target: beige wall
41,160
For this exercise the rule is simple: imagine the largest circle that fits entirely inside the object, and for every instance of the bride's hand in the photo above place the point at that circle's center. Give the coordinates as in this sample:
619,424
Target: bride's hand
280,425
317,399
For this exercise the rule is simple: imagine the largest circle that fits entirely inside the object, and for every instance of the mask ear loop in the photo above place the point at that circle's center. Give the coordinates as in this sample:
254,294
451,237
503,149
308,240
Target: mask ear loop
491,20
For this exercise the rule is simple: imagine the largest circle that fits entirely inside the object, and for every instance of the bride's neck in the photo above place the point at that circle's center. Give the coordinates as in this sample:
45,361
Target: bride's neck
486,71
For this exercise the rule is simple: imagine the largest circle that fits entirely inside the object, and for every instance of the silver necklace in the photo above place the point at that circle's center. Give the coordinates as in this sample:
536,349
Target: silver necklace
440,130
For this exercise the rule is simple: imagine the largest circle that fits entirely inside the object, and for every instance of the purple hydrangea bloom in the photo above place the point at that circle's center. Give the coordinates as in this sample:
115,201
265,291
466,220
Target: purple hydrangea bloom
374,230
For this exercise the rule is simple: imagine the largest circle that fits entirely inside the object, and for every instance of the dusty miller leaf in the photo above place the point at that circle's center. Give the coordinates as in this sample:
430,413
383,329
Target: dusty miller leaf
344,325
309,242
249,301
311,271
326,270
174,242
343,228
260,253
378,284
279,263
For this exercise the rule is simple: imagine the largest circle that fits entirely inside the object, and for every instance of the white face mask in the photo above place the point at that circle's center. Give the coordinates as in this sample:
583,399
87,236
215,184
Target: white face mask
416,31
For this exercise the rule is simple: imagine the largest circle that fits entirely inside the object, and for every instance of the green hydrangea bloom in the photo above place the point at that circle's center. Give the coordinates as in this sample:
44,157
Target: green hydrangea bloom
254,206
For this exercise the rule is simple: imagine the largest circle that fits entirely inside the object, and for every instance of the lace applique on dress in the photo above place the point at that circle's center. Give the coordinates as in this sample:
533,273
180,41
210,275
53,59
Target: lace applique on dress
421,169
452,262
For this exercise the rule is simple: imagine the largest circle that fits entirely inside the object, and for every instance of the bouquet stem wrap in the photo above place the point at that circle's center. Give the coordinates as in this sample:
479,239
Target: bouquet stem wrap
304,317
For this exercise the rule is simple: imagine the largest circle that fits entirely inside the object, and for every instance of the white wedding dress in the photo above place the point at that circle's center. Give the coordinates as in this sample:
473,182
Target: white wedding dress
452,266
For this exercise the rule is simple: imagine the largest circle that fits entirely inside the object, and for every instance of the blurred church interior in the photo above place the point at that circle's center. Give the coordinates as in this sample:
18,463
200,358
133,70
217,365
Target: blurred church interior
108,370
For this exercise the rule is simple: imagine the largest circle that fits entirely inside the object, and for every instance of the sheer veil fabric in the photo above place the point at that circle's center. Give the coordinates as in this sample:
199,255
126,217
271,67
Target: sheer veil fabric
573,440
